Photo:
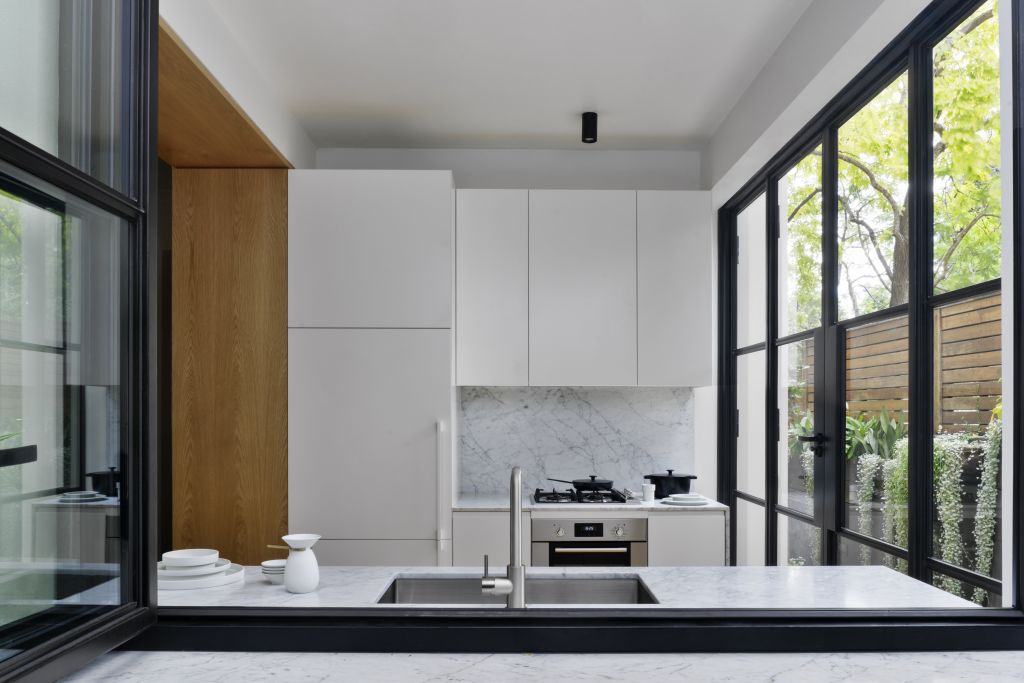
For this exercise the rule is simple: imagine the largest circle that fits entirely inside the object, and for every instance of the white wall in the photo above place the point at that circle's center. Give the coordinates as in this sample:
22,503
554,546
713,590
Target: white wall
209,37
592,169
1006,21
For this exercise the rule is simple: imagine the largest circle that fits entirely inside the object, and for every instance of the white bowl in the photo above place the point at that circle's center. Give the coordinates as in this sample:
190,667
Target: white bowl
276,579
300,541
191,557
273,564
82,494
686,496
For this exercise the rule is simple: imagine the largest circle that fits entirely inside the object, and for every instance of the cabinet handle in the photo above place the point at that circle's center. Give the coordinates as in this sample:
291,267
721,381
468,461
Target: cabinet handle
591,551
443,494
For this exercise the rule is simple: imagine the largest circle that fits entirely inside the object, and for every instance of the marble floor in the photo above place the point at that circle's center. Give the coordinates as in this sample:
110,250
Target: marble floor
202,667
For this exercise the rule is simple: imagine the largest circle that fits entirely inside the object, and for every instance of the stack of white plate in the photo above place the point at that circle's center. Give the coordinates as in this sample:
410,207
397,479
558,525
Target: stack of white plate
273,570
81,497
685,500
196,568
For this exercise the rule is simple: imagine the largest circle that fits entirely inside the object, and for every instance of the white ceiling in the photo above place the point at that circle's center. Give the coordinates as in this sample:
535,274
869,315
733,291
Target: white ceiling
662,74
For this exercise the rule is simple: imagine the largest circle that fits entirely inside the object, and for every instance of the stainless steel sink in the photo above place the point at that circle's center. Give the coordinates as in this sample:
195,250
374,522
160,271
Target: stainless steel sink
539,591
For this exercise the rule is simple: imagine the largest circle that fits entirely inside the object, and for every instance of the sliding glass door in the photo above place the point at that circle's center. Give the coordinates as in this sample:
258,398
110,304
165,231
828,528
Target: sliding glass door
864,392
75,146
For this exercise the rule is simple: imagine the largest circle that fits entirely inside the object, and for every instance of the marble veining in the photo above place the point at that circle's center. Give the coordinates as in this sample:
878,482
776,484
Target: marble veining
618,433
674,588
498,502
790,667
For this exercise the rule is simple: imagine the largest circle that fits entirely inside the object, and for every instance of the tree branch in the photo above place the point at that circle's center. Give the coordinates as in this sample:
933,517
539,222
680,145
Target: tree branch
857,220
803,203
958,237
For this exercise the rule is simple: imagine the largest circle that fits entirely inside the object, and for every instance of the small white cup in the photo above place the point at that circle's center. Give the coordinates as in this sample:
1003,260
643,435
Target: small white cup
649,493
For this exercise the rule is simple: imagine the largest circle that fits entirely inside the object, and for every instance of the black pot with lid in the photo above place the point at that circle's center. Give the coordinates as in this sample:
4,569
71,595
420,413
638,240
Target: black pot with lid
667,484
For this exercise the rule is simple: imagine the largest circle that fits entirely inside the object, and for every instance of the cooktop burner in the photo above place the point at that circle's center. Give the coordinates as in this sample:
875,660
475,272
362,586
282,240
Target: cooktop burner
574,496
553,496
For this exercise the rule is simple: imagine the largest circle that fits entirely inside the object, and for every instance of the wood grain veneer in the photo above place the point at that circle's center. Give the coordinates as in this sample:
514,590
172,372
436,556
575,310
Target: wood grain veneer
229,357
199,124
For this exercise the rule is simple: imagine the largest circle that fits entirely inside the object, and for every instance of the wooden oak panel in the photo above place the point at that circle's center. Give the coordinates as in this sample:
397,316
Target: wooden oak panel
229,360
199,125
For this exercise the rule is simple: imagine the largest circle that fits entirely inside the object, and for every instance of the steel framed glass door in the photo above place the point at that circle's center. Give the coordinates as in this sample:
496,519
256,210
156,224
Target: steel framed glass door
863,317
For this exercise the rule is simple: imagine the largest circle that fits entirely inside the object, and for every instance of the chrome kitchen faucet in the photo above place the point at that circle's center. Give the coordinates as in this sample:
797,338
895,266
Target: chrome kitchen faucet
514,586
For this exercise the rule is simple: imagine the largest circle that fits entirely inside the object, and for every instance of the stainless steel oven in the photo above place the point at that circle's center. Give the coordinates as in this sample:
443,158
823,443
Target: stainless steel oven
589,542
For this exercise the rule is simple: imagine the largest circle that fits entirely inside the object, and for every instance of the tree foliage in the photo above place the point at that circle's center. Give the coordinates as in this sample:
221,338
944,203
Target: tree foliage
873,210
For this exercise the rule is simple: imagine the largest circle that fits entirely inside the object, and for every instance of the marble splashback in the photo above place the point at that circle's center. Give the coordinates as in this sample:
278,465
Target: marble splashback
617,433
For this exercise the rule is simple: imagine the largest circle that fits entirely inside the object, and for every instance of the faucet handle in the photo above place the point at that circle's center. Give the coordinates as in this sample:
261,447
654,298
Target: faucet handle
487,570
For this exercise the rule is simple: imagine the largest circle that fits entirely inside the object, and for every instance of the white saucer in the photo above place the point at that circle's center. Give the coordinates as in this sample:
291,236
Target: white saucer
684,503
191,557
174,573
234,574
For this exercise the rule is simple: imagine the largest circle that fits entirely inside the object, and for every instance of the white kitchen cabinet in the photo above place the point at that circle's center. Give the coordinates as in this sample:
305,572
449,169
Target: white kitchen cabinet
583,301
370,248
475,534
686,539
364,449
674,305
389,553
492,285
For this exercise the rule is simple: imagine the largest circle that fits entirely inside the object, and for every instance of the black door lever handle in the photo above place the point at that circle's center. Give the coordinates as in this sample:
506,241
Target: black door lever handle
818,440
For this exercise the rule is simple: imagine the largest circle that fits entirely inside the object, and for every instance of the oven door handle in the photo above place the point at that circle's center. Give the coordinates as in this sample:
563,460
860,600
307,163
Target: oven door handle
585,551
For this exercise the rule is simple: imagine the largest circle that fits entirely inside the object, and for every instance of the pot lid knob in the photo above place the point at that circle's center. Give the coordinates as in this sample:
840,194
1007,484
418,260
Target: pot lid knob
593,477
670,472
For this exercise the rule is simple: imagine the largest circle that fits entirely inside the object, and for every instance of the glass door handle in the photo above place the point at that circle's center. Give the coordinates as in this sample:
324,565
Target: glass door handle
818,442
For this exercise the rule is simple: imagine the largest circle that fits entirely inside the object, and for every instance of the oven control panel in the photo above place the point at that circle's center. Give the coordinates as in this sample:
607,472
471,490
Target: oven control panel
588,529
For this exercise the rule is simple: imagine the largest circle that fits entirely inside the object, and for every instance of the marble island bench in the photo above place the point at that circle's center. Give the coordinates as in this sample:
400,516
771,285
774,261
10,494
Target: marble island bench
673,587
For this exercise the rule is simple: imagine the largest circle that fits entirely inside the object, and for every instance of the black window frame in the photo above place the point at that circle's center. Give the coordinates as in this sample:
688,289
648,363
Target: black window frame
72,645
910,54
634,630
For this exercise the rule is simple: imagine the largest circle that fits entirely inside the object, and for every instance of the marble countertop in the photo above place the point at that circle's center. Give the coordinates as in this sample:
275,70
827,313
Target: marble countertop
674,588
498,502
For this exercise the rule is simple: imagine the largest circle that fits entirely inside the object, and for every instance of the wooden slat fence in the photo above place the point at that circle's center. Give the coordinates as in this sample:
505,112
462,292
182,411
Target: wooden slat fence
968,366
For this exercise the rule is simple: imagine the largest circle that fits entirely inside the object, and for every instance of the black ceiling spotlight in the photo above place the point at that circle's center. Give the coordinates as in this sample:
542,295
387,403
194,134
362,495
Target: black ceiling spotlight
590,127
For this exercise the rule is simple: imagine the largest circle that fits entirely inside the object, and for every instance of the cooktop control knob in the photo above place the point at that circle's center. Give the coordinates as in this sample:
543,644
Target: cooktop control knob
618,531
559,531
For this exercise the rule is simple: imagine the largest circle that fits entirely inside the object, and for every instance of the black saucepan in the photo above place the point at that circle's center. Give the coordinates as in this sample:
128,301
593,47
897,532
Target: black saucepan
590,484
667,484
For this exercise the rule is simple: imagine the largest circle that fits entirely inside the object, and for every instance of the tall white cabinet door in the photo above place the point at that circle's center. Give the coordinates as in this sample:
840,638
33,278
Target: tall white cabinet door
369,248
362,431
582,288
492,287
674,257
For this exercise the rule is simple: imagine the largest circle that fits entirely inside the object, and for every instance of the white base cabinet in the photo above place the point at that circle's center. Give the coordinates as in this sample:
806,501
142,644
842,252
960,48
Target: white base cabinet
361,553
690,539
475,534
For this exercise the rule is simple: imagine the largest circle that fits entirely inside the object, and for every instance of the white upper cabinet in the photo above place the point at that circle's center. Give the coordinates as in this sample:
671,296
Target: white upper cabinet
583,296
674,288
492,285
370,249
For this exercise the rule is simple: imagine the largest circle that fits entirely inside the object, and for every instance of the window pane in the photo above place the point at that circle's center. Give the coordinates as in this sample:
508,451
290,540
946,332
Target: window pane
750,274
65,94
800,246
962,589
877,400
967,246
852,553
799,542
968,442
796,419
873,213
749,533
750,396
60,415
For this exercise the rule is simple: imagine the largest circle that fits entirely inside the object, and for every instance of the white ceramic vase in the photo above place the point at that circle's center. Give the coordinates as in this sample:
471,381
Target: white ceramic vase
301,571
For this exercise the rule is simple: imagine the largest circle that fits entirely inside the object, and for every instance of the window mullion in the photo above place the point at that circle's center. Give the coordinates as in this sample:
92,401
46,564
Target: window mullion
920,315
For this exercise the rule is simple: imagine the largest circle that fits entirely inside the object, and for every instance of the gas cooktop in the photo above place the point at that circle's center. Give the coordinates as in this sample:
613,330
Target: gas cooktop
575,496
